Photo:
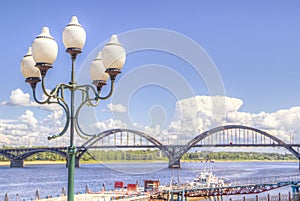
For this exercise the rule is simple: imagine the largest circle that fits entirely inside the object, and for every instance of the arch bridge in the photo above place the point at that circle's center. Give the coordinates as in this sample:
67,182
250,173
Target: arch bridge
18,155
223,136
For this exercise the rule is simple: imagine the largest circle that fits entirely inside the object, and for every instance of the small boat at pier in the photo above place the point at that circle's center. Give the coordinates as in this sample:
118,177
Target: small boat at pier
205,184
206,180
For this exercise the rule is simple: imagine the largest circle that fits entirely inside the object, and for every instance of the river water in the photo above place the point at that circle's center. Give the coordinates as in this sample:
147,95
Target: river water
50,179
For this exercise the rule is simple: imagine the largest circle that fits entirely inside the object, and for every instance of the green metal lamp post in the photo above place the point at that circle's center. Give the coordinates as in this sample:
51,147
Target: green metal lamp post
39,60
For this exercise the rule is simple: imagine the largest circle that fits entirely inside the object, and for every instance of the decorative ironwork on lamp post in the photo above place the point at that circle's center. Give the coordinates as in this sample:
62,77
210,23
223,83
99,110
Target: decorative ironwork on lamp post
39,60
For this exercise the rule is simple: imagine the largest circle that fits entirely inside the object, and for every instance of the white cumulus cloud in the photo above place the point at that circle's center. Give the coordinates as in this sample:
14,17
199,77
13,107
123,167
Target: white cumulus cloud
4,140
192,116
19,98
197,114
116,107
29,119
28,130
109,124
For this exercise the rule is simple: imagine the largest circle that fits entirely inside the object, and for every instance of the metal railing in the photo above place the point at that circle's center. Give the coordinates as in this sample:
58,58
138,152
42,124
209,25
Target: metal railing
265,180
278,197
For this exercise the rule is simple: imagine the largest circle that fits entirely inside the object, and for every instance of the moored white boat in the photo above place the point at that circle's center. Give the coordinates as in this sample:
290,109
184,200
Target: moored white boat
207,180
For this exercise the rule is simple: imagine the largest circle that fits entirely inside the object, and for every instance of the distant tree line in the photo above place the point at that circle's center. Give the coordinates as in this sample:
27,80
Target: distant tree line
157,155
119,155
237,156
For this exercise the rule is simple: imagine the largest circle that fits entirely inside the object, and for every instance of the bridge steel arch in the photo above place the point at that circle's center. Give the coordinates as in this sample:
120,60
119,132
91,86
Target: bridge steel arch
89,143
6,155
17,158
32,152
175,152
175,159
202,136
212,131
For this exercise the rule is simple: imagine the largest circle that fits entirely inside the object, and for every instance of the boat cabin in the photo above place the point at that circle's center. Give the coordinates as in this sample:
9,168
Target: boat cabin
151,185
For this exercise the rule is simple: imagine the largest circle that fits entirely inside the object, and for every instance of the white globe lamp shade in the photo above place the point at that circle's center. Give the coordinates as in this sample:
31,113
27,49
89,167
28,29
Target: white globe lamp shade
97,68
44,48
74,36
27,66
114,54
104,77
101,81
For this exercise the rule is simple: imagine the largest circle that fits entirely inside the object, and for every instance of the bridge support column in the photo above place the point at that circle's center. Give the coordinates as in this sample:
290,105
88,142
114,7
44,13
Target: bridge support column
16,163
174,164
77,162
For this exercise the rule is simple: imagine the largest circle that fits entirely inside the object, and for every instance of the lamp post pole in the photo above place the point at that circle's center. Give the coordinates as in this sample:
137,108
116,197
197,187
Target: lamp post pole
72,149
39,60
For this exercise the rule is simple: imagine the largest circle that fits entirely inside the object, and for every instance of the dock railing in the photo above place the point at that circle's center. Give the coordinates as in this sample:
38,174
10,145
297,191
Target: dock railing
265,180
276,197
83,197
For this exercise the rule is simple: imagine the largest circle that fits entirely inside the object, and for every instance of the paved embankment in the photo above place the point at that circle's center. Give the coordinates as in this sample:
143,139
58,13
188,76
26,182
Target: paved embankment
100,197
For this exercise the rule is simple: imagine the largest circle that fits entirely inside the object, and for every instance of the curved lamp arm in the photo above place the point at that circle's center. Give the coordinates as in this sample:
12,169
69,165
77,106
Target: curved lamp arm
38,101
54,91
88,100
77,126
97,93
86,96
112,83
85,90
67,112
61,102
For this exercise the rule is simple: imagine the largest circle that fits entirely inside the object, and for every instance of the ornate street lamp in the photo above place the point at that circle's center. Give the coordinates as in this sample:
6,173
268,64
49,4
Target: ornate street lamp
39,60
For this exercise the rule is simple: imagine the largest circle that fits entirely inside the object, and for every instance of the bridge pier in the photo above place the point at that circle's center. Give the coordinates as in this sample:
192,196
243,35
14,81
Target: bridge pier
16,163
77,162
174,164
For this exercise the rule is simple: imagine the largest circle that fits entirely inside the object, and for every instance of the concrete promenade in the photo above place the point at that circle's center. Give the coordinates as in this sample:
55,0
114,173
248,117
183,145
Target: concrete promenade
100,197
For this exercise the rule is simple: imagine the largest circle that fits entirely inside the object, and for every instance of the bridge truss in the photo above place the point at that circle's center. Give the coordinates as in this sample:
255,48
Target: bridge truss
237,136
223,136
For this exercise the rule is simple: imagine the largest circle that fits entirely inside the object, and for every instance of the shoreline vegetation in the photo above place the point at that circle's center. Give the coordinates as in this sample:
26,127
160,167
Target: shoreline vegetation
146,156
153,155
150,154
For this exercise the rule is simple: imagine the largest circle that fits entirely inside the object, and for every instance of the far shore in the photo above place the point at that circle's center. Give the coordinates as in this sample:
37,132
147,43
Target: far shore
41,162
7,163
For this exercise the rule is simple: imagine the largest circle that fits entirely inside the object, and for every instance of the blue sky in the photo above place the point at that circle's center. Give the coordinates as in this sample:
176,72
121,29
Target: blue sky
253,44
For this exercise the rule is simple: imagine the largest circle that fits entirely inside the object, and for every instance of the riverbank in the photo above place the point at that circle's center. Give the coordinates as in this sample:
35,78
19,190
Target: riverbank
42,162
216,161
7,163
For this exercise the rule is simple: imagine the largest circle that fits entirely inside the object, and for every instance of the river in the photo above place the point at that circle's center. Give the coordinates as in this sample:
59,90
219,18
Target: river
50,179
